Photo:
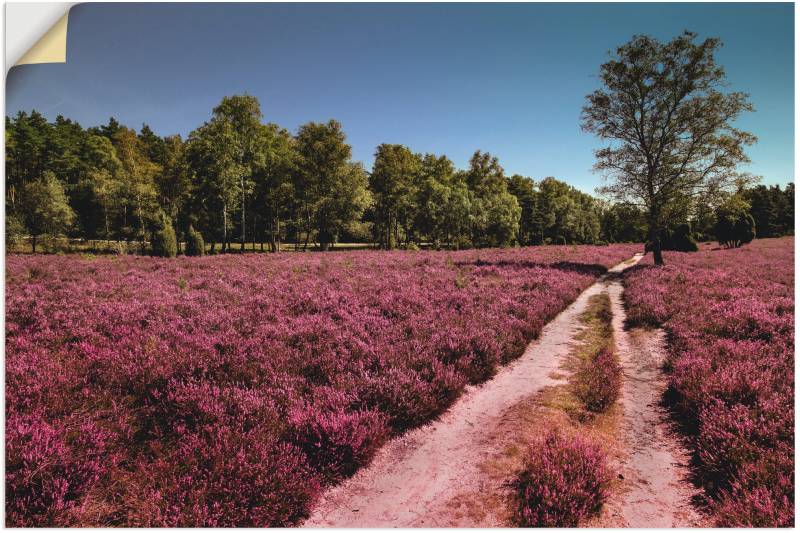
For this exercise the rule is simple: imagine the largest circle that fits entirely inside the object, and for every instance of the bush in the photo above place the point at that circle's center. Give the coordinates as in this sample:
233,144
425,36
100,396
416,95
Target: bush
223,477
338,443
195,246
48,468
564,480
15,231
164,242
598,383
735,225
682,240
561,240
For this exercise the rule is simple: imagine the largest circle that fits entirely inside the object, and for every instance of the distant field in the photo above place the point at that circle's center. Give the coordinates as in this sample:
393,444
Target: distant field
730,319
228,390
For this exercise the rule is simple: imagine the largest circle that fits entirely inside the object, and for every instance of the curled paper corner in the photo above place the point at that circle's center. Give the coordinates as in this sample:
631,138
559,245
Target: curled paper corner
51,47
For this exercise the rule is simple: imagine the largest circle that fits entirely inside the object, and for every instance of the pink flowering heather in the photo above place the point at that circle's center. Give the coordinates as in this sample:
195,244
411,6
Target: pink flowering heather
598,382
730,319
564,480
229,390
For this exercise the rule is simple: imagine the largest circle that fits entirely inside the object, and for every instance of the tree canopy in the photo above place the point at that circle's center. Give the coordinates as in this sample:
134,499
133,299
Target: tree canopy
669,126
238,178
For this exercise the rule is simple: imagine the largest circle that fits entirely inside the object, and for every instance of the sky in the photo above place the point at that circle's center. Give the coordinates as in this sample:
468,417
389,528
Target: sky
443,78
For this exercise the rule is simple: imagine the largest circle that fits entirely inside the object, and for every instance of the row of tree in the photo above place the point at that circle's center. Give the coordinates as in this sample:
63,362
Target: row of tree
236,179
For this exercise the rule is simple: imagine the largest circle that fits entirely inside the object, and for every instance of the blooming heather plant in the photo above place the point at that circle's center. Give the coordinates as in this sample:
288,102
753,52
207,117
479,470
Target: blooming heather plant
227,390
598,382
730,319
564,480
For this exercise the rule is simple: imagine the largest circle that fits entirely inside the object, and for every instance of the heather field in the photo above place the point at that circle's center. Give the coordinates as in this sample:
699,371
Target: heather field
729,315
230,390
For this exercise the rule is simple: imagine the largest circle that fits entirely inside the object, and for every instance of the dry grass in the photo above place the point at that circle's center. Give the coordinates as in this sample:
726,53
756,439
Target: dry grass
555,407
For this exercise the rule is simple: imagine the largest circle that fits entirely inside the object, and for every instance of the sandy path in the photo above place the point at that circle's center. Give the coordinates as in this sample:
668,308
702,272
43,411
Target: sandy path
414,477
655,491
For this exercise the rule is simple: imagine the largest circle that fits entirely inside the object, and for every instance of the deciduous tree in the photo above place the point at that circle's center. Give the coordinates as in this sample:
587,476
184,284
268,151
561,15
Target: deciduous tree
669,125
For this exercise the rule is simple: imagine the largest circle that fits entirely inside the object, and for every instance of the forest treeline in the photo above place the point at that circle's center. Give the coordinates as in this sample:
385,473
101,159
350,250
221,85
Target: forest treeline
238,180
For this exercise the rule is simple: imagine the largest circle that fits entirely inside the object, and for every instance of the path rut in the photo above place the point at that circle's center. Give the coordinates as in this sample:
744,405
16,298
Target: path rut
655,489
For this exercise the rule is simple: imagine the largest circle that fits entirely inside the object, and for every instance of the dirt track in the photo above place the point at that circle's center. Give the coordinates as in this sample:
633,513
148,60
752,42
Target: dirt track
416,480
655,491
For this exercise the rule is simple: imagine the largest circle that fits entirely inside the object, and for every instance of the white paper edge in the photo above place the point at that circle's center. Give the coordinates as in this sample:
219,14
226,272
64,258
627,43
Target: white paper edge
26,23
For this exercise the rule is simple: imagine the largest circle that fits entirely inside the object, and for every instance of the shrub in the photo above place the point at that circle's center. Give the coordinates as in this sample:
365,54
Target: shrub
49,467
164,242
564,480
195,246
561,240
735,225
338,443
598,382
15,230
222,477
682,240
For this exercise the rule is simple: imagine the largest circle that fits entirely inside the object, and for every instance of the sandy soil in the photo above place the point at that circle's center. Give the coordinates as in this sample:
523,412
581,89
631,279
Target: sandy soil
416,480
654,491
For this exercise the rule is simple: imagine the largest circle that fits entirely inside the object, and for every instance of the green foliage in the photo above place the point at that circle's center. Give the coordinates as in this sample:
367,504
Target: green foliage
495,212
332,189
682,239
164,243
623,222
45,208
393,184
236,177
524,190
15,230
735,225
678,137
772,209
195,246
563,210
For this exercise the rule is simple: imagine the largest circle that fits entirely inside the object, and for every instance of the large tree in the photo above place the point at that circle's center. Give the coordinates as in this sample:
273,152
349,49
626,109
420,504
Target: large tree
274,190
332,190
239,117
668,124
392,182
524,189
442,203
45,208
138,172
224,154
495,211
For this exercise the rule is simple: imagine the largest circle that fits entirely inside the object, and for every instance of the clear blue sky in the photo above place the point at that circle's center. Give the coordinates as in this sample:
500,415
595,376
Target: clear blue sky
442,78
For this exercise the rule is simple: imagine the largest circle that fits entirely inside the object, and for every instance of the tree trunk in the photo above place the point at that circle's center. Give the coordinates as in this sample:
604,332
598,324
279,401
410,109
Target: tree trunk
243,218
33,243
655,244
224,227
308,228
277,234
